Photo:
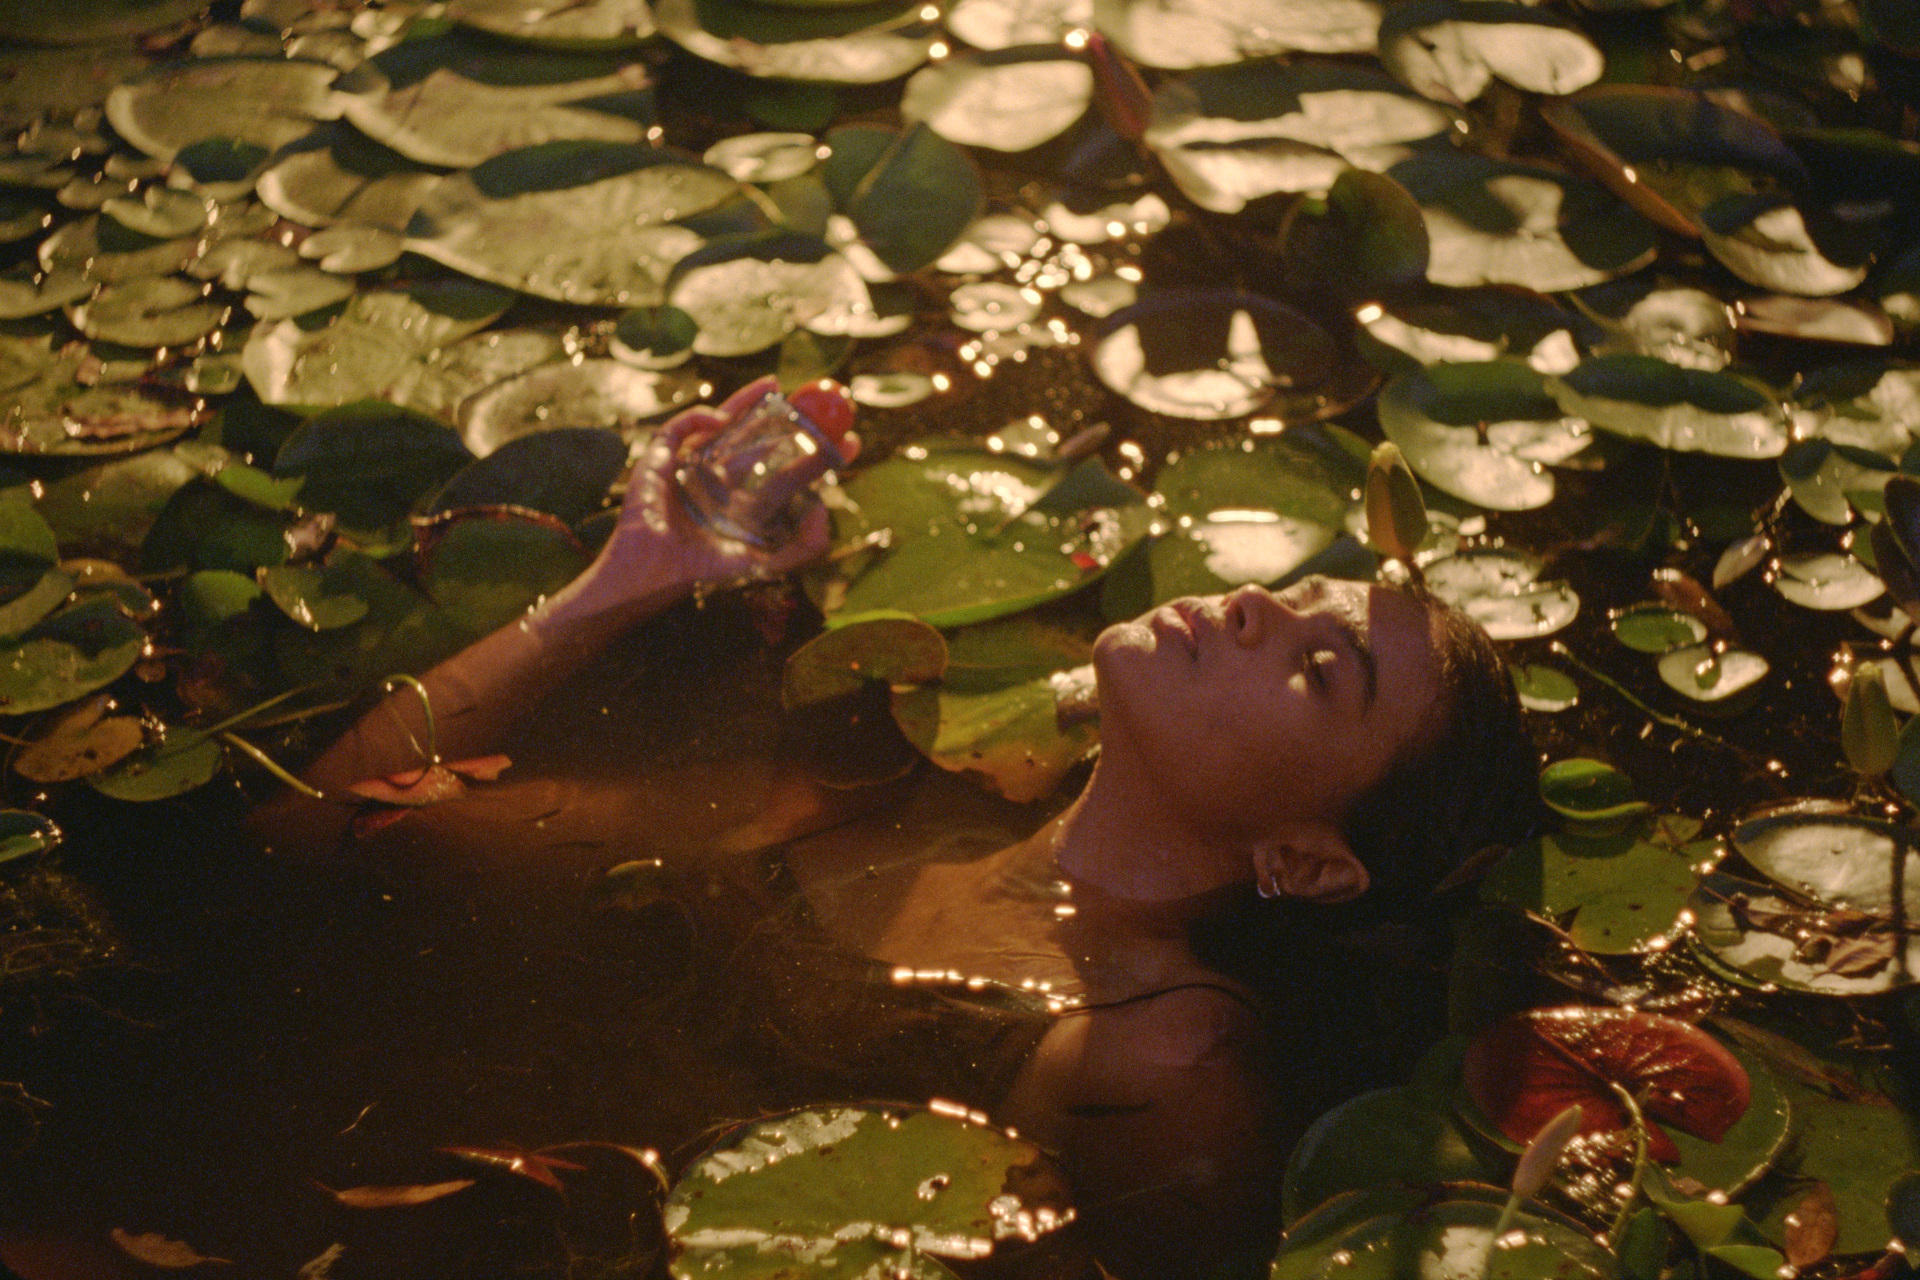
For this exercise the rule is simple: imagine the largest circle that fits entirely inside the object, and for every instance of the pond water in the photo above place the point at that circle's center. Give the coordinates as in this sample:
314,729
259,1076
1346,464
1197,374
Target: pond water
327,331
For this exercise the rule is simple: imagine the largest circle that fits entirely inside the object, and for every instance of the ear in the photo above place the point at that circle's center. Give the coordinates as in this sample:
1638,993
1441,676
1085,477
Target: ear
1312,862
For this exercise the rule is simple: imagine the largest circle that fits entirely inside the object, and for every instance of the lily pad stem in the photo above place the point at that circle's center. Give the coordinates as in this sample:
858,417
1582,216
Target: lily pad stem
1500,1225
1672,722
256,709
431,754
1619,1230
267,762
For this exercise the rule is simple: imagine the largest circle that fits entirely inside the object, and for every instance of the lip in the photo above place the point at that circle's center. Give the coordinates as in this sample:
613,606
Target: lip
1182,620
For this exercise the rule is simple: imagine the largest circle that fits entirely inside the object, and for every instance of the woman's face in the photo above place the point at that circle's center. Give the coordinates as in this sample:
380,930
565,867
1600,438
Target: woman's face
1258,707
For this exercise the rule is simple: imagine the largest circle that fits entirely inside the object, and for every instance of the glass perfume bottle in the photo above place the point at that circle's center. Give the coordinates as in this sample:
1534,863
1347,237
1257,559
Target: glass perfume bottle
753,479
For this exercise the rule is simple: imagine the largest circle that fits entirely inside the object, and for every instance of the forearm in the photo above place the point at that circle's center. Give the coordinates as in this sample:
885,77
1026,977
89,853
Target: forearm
477,695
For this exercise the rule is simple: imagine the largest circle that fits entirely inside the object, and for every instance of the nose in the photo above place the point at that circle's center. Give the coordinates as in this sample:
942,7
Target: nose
1250,613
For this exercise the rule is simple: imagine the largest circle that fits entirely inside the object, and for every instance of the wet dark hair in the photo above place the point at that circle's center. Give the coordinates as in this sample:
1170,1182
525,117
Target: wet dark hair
1468,780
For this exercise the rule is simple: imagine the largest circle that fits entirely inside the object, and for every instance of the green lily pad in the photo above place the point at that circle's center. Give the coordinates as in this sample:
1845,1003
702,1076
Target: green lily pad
455,100
1423,326
896,648
654,338
351,250
1484,432
1589,791
1773,249
966,543
1201,34
211,596
93,20
267,102
1654,628
402,345
1827,580
27,544
23,833
1373,1235
564,472
1544,688
1859,1150
764,157
1756,1141
57,414
619,201
35,603
1626,895
280,293
485,567
1210,354
1490,222
103,250
1450,50
1006,106
857,1187
181,761
1821,475
995,710
24,292
154,311
1502,591
1232,134
572,394
909,193
746,296
370,463
592,25
67,656
844,43
336,175
204,526
1684,409
111,505
161,212
402,632
1382,1137
1699,673
313,597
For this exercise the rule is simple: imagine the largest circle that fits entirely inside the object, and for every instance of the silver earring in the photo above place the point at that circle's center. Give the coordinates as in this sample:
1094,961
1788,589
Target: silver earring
1265,883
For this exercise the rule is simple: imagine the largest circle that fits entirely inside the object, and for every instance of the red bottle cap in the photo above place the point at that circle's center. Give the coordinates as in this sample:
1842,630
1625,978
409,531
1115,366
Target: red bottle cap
826,405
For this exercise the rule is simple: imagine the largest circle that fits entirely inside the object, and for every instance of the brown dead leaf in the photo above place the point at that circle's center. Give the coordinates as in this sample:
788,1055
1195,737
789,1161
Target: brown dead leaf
82,740
396,1197
156,1250
412,788
1859,957
1812,1227
481,768
526,1164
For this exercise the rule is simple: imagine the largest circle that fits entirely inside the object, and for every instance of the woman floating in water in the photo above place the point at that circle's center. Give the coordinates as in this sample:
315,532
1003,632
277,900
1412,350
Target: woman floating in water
1333,743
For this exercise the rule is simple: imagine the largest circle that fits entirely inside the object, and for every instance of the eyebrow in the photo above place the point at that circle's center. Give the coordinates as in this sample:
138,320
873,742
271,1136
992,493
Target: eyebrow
1363,653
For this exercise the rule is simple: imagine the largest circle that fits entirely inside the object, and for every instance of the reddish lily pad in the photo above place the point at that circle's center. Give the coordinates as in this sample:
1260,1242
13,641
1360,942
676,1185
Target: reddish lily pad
1524,1071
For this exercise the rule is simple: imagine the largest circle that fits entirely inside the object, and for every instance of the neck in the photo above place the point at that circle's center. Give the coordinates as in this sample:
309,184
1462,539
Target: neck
1121,839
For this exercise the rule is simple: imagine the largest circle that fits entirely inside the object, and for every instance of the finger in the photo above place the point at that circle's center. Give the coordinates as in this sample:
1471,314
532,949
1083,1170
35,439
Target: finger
688,425
746,397
808,544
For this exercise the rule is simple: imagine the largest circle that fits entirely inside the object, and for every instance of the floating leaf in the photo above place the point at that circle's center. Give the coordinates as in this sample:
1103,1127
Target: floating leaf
280,293
157,1250
1490,222
92,21
910,193
486,567
1859,1151
1212,33
313,597
1706,676
1685,409
996,709
336,175
453,100
67,656
1209,354
155,311
594,24
563,471
267,102
1407,1233
848,43
1774,251
1654,628
1827,580
862,1187
179,762
1007,106
896,648
369,463
1589,791
1502,591
1544,688
745,296
619,201
1626,895
1528,1068
83,739
572,394
1451,49
1484,432
23,833
397,1197
1376,1139
967,542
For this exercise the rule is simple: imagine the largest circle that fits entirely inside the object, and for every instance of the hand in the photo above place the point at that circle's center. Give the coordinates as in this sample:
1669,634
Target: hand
658,549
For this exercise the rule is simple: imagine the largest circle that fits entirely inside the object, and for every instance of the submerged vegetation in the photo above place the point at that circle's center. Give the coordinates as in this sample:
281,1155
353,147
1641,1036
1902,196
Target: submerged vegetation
327,329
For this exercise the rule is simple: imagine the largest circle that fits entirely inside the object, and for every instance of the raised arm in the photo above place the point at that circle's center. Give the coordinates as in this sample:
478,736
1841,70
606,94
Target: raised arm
656,555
